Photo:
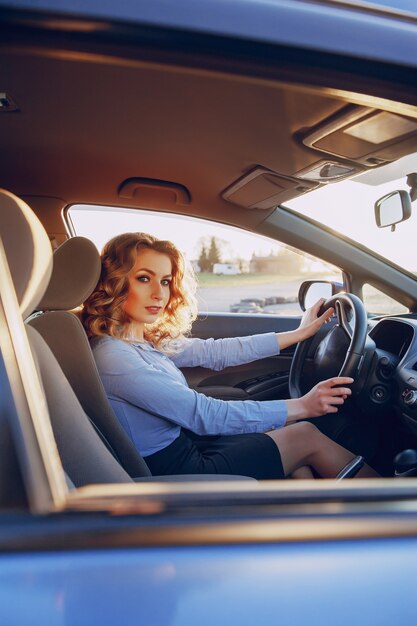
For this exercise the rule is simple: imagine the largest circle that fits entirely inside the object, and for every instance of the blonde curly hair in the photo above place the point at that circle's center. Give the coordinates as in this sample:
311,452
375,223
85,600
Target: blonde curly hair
102,312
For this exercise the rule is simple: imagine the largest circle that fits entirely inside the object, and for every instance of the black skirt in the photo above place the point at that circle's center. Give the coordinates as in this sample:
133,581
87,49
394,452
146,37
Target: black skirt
253,454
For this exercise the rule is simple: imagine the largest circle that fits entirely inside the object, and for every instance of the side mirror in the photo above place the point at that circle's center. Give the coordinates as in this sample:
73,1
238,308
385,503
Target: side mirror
312,290
392,209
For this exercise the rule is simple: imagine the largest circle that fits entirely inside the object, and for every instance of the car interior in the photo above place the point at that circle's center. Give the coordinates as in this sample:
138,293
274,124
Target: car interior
116,115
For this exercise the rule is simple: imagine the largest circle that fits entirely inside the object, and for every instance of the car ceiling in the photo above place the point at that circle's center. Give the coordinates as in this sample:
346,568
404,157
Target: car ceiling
92,116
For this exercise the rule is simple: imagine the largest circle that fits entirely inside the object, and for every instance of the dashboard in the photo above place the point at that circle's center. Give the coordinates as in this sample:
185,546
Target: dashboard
393,379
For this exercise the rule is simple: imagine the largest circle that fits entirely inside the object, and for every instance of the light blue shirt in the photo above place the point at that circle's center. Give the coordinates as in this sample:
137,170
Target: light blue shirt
152,399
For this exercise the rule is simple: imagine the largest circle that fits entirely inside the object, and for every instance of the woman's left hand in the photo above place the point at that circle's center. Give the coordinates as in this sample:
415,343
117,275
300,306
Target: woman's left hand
311,322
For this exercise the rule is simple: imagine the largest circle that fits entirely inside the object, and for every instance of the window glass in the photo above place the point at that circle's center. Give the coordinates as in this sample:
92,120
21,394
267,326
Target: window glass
378,302
355,216
237,271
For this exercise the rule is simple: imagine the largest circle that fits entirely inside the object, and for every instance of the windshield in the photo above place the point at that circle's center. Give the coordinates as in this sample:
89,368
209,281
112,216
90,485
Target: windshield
348,208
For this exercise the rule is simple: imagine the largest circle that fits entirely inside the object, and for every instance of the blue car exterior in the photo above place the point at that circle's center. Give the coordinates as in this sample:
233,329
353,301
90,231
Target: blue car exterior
344,582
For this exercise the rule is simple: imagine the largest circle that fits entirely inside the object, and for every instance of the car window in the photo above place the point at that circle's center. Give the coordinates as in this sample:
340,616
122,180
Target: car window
378,302
355,217
238,272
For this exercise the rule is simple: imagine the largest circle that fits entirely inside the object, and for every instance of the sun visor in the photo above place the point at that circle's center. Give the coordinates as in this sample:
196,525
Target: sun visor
262,188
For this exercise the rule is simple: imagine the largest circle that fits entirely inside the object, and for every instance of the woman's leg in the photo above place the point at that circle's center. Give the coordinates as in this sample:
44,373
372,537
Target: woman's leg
302,444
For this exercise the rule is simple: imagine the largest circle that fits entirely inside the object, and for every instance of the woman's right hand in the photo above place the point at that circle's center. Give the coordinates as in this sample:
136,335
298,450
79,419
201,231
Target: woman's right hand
323,398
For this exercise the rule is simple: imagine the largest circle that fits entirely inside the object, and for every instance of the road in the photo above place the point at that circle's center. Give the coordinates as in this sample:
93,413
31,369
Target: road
219,299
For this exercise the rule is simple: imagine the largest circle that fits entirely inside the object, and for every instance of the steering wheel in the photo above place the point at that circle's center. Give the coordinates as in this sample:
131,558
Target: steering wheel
340,351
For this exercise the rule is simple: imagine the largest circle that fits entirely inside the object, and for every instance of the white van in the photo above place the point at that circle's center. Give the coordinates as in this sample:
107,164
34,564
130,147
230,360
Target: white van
226,268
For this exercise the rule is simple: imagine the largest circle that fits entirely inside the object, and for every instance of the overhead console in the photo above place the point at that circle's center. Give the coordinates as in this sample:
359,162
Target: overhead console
347,143
367,136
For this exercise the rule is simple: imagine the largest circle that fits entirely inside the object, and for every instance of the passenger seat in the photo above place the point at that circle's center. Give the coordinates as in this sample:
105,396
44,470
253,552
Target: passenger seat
84,457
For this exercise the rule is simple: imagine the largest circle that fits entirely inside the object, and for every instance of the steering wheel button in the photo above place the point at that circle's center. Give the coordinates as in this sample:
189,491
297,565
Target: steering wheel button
410,398
379,393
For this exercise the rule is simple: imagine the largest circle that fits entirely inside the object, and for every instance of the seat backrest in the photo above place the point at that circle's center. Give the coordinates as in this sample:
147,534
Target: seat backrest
76,270
83,455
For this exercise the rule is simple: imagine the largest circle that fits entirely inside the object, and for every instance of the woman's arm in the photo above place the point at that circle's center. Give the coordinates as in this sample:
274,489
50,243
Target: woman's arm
217,354
153,384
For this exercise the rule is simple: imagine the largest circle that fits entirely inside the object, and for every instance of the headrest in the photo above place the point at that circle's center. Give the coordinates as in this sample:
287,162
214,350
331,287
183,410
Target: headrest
76,270
28,250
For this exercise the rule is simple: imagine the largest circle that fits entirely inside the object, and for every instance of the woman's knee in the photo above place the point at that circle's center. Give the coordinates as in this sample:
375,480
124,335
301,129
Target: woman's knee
297,443
312,437
298,432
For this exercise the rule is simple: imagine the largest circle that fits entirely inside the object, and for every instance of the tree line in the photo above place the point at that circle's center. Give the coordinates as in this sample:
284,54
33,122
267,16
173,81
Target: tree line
286,261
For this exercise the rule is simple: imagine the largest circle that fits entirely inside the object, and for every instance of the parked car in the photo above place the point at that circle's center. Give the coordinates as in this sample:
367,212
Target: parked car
275,300
245,307
258,301
293,121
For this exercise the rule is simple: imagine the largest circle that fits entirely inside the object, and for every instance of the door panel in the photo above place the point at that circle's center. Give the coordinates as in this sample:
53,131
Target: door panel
266,379
240,324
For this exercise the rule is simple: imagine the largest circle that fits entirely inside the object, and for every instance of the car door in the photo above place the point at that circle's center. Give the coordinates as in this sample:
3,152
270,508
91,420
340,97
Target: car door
265,379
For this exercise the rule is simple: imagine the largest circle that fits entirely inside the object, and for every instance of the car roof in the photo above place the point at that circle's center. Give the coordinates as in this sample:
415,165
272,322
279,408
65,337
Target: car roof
210,109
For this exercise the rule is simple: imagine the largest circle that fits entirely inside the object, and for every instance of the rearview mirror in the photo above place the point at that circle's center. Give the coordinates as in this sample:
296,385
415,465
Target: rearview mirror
312,290
392,209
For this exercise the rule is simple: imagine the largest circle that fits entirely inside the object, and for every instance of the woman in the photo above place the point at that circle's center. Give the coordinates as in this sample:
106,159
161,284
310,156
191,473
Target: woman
137,319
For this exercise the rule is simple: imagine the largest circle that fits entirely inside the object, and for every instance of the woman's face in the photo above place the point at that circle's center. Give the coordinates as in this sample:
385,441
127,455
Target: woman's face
149,289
